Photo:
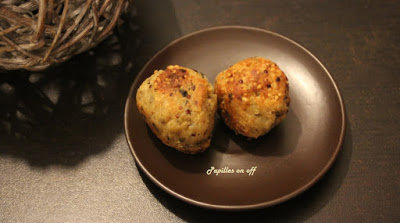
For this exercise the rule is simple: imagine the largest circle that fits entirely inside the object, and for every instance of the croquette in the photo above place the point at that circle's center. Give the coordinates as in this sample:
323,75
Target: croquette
179,105
253,96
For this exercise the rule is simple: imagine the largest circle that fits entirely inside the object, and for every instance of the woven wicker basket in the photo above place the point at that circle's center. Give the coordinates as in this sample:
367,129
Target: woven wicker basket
35,34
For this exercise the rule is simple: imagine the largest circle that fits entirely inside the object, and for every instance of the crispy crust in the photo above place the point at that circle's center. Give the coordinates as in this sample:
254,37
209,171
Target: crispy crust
179,105
253,96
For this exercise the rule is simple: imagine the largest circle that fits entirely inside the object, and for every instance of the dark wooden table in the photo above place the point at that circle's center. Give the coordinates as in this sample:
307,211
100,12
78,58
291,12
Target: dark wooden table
63,153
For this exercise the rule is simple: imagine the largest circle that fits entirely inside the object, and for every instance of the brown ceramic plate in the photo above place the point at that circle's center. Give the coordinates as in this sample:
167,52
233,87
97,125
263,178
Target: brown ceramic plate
287,161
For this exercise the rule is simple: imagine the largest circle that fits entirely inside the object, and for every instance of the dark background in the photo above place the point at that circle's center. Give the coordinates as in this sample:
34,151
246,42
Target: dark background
63,153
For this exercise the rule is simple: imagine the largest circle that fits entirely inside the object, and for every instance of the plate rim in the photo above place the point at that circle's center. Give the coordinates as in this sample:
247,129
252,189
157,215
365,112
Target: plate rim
295,193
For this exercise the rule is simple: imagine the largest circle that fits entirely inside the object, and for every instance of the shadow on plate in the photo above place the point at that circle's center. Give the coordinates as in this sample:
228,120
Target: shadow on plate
280,141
